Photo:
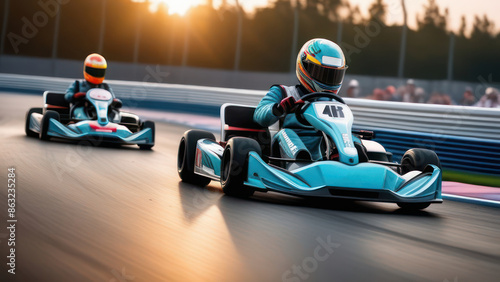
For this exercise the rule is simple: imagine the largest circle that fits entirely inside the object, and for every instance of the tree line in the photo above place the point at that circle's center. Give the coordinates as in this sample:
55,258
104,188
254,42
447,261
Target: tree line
124,30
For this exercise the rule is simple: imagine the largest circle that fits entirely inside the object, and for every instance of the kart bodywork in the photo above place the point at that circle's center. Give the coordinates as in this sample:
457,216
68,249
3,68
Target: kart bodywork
105,124
363,169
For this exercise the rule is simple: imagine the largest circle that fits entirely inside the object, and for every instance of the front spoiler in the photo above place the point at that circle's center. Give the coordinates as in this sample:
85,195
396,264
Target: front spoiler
331,179
84,131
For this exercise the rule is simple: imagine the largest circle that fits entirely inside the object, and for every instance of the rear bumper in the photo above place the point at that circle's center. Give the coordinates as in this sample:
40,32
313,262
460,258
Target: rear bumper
365,181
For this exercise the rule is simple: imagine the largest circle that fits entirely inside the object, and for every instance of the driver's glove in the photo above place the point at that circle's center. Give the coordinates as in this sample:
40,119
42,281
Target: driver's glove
79,95
117,103
286,106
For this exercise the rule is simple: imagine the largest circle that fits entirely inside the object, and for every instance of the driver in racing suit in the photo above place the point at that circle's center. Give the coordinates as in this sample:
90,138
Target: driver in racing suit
94,69
320,68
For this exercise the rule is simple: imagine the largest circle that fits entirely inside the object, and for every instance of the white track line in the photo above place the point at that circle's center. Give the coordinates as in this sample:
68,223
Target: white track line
471,200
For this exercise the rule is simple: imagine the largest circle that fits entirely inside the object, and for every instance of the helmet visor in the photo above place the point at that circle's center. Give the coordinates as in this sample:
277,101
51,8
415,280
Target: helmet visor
326,75
95,72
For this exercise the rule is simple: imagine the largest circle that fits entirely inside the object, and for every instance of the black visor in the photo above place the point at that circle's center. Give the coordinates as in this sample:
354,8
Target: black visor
95,72
326,75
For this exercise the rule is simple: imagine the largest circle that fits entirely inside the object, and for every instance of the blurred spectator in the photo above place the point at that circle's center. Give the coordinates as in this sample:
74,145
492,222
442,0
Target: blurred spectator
410,93
490,99
353,89
440,99
377,94
390,92
468,98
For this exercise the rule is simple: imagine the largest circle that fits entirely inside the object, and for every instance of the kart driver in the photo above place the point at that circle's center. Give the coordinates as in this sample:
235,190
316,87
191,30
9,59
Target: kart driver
320,68
94,69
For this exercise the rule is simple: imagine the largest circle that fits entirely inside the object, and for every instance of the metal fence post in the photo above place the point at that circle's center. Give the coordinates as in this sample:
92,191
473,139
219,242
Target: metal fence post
238,37
295,37
339,31
402,51
103,26
186,42
55,40
137,36
4,26
450,56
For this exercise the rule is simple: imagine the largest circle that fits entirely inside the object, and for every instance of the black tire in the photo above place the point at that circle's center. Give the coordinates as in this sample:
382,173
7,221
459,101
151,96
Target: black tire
29,132
234,166
418,159
186,157
148,124
44,124
413,206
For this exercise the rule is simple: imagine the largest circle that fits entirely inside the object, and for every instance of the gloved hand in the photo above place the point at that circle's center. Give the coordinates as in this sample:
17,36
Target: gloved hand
286,106
78,95
117,103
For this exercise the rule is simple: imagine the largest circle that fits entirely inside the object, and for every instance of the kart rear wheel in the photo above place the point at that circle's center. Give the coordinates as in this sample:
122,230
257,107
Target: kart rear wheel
44,124
418,159
234,166
186,157
29,132
148,124
413,206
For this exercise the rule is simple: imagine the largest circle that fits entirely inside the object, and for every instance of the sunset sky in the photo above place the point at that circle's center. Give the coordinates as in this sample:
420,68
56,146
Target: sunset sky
457,8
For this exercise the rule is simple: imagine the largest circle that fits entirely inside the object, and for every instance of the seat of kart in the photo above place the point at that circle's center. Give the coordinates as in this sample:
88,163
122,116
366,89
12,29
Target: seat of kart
237,120
54,101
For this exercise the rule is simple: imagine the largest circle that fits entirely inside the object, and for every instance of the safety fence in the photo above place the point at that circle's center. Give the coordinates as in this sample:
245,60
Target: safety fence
459,153
465,138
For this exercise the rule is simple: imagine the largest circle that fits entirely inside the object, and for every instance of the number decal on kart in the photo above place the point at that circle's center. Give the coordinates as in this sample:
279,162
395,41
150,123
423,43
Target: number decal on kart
334,111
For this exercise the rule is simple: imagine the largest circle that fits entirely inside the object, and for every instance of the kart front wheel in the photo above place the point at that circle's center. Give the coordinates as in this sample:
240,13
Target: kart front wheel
234,166
44,125
413,206
151,125
186,157
418,159
29,132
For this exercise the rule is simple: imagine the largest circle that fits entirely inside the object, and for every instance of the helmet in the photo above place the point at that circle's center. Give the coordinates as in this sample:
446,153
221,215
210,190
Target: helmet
321,66
94,68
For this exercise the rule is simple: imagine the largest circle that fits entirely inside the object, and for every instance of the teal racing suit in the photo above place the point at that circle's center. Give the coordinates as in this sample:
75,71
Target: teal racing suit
82,86
295,140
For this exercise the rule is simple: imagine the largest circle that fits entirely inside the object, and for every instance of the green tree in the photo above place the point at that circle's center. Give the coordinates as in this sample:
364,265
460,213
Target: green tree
378,11
433,18
463,26
482,27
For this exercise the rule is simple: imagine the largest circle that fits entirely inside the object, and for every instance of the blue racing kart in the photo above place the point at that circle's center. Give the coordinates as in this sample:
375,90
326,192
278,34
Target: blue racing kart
101,122
353,166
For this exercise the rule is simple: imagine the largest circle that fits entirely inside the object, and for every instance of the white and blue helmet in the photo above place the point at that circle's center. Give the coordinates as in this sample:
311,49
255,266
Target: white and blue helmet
321,66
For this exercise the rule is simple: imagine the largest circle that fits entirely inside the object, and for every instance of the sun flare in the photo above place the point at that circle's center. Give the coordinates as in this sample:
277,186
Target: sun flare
179,7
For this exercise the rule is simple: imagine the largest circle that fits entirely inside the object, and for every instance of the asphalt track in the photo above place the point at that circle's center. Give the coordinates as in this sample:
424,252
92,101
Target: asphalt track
119,214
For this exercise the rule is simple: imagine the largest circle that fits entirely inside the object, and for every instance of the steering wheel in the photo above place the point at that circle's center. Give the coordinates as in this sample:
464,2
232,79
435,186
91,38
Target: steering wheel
311,97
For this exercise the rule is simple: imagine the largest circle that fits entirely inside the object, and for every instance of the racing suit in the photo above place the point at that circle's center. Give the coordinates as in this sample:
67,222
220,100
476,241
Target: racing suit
82,86
295,140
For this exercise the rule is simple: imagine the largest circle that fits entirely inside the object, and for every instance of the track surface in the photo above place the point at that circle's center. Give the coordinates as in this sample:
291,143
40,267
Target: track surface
120,214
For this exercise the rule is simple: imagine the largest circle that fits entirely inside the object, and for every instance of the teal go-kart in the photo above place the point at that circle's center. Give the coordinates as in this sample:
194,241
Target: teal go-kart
102,121
353,167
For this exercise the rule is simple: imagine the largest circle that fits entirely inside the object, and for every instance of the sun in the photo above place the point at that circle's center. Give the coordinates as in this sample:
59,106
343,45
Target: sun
179,7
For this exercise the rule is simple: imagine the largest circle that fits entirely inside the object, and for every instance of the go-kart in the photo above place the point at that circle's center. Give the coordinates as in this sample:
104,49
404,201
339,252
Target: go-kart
102,121
353,165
